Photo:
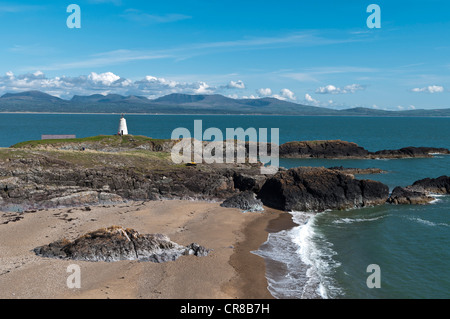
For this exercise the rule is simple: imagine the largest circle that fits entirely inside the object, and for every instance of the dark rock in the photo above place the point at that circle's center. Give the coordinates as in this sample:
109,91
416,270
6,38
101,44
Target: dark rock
64,185
245,182
318,189
440,185
411,152
196,250
402,195
245,201
322,149
421,191
343,149
116,243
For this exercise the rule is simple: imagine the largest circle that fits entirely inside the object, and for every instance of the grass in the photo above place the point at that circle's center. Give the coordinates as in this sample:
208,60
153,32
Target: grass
103,140
127,155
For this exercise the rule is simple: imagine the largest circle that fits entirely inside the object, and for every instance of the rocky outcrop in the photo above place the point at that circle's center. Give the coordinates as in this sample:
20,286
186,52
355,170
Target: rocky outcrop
359,171
318,189
42,184
410,152
321,149
245,201
440,185
116,243
421,191
402,195
251,182
343,149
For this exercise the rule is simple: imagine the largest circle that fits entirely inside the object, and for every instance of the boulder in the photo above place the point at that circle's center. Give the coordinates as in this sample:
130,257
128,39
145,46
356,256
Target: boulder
322,149
440,185
117,243
318,189
402,195
245,201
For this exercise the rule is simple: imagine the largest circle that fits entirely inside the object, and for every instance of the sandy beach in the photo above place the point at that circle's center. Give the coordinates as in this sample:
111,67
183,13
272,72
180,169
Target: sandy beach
229,271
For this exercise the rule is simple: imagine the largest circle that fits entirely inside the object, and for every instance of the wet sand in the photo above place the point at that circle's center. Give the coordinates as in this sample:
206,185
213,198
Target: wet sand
230,270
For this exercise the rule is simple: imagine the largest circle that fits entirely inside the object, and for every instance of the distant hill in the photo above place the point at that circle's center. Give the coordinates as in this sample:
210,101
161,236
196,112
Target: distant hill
36,101
30,96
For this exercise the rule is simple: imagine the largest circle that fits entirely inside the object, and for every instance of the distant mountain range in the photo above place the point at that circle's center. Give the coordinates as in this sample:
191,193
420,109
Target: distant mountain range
36,101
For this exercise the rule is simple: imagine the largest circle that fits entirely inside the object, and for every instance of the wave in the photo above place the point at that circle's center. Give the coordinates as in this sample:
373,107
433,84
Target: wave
307,260
427,222
355,220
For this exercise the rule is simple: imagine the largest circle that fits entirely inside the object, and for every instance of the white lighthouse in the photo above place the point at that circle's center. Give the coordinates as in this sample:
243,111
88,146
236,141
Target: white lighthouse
123,126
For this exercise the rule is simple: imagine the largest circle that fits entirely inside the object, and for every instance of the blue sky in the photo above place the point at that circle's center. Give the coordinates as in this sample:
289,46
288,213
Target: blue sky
311,52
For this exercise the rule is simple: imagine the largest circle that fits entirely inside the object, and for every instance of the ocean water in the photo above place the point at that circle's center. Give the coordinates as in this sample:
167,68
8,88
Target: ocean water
327,254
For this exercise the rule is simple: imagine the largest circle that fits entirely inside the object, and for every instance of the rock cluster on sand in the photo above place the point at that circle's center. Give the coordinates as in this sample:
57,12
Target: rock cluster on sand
245,201
317,188
116,243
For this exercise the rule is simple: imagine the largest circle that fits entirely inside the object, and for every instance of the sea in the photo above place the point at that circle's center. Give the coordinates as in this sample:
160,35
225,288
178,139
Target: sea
328,254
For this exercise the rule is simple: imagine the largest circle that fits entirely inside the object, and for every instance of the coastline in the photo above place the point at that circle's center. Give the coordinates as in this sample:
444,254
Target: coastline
229,271
237,114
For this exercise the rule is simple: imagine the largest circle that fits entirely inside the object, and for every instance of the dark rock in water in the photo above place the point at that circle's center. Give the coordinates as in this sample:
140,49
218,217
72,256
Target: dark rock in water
116,243
245,201
410,152
322,149
440,185
318,189
402,195
343,149
421,191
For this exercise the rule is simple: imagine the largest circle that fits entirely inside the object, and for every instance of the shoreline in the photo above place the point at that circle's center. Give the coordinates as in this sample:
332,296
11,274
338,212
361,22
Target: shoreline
230,271
249,265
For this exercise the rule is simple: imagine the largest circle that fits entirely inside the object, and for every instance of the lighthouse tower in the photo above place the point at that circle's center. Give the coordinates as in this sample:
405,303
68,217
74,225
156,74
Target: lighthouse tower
123,126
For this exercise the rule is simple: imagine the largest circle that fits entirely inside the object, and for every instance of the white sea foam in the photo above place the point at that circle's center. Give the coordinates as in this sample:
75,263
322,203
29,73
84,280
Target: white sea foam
427,222
307,258
355,220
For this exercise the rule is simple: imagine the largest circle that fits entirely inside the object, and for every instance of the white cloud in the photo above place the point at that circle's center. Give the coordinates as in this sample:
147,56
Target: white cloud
285,94
104,83
235,85
310,100
331,89
203,88
430,89
106,78
288,94
250,97
264,92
